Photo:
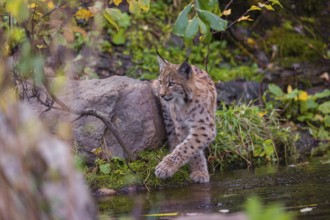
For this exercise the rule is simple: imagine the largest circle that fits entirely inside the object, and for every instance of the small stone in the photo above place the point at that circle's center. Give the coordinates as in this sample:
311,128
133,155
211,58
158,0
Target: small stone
104,192
307,209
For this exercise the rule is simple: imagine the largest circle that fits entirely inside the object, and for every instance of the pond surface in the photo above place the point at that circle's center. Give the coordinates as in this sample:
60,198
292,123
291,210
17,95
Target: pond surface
297,187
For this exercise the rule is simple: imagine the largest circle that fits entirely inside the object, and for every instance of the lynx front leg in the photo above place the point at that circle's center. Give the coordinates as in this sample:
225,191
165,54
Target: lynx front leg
182,153
198,168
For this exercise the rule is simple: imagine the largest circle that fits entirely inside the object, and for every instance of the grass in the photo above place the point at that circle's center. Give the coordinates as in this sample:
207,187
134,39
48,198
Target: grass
248,137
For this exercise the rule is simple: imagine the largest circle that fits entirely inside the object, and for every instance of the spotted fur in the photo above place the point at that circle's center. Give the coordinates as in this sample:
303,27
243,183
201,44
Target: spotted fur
188,98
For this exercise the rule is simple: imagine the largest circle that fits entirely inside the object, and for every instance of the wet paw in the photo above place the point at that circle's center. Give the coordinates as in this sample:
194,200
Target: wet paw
166,168
200,177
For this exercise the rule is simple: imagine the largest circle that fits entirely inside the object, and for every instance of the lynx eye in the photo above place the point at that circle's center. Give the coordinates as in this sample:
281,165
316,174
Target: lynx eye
171,84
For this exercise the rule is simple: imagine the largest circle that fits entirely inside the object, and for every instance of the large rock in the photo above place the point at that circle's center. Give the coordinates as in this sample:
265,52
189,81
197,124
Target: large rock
129,103
38,177
238,91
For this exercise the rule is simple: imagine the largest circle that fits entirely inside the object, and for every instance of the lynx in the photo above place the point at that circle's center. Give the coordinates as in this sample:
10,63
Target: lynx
188,98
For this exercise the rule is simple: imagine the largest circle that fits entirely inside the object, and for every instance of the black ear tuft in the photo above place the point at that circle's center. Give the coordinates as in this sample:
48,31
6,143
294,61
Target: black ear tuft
185,70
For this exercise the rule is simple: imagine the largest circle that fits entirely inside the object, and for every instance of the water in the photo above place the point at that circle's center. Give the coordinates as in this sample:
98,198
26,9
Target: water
297,187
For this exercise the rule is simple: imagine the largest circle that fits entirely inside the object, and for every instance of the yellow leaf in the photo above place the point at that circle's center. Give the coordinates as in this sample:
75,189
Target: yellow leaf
261,5
245,18
50,5
302,96
32,5
254,8
162,214
117,2
84,14
144,5
134,7
227,12
18,9
269,7
261,114
80,30
251,41
289,89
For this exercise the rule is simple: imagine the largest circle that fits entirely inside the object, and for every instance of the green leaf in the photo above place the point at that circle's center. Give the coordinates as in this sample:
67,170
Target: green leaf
268,146
144,5
213,20
308,105
269,7
124,20
275,90
181,22
116,18
306,117
276,2
325,93
119,37
192,29
327,121
202,27
292,95
254,8
325,107
134,7
18,9
105,168
205,31
323,134
110,15
206,4
257,151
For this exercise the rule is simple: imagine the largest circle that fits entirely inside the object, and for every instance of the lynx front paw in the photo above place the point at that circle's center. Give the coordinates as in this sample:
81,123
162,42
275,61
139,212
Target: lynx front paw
166,168
200,177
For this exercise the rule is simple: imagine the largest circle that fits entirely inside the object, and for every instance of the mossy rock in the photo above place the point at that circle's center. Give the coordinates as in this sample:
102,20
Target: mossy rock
294,47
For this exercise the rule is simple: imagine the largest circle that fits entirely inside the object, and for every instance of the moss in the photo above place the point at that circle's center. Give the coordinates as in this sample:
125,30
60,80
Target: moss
294,47
139,172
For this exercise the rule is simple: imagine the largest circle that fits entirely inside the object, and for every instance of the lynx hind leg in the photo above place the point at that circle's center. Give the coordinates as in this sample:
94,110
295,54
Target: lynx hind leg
198,168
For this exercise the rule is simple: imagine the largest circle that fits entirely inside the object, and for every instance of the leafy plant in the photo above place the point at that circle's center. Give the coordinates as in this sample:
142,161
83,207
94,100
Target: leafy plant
206,16
246,137
299,106
203,20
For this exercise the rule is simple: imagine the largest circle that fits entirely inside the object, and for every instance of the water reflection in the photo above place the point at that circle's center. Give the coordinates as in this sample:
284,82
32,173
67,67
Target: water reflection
296,187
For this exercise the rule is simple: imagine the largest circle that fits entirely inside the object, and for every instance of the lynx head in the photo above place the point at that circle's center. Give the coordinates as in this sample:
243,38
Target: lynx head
173,80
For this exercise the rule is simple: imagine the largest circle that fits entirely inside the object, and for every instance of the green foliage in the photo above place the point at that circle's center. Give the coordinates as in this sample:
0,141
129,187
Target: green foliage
295,48
245,137
255,210
298,106
181,22
204,19
18,9
236,71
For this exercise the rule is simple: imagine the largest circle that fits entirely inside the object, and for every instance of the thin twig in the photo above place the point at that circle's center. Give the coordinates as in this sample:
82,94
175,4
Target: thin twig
54,9
228,5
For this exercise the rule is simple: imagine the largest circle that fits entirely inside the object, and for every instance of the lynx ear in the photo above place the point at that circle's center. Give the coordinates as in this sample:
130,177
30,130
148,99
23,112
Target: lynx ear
185,70
162,62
